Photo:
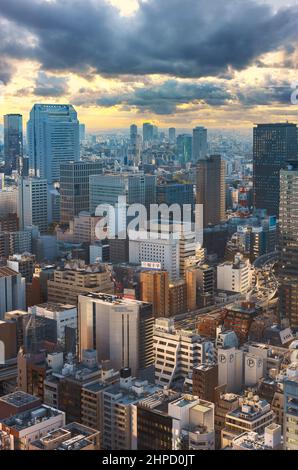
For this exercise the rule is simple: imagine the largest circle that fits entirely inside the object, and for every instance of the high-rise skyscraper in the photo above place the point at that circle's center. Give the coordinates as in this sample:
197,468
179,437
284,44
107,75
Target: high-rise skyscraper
148,132
33,203
138,188
184,148
155,290
133,134
13,141
211,189
273,146
53,138
82,133
199,144
74,187
288,271
290,413
172,135
135,144
121,331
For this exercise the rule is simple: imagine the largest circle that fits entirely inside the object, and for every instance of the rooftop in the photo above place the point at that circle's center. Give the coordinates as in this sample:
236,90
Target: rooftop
133,393
74,436
56,307
159,401
18,399
113,299
30,418
6,272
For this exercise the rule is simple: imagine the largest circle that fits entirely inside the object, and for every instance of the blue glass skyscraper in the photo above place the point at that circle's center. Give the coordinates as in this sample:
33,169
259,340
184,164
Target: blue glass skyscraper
53,138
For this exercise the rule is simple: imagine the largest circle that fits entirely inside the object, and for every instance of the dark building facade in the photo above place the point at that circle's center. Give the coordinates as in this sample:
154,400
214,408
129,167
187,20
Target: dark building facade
13,141
74,187
288,249
175,193
211,189
273,146
205,380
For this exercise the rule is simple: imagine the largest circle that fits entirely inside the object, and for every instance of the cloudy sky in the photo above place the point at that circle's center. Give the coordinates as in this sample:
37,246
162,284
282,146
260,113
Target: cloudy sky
220,63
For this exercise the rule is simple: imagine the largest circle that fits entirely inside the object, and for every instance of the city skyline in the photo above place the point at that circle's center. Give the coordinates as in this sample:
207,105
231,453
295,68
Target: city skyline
114,80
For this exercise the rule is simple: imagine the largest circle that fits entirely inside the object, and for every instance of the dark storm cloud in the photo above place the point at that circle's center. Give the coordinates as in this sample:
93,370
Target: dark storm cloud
275,92
189,38
164,98
50,86
6,71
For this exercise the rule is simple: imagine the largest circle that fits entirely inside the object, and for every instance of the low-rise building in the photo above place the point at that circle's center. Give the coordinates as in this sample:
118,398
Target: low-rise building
28,426
271,440
253,415
74,436
177,352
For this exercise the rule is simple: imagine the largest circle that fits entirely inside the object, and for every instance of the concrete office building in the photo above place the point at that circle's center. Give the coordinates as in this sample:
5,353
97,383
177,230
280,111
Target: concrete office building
23,264
135,145
12,291
288,266
177,352
77,278
74,187
92,398
53,138
172,135
155,290
119,400
274,146
253,415
136,187
148,133
154,425
73,436
27,426
13,142
205,280
193,423
271,440
235,276
205,381
211,189
121,330
165,252
8,201
8,341
64,316
184,148
199,144
17,402
291,414
175,193
82,229
33,203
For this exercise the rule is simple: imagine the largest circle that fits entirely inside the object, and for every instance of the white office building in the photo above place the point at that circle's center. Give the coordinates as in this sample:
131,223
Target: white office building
33,203
193,423
64,315
12,291
235,276
177,352
121,330
165,252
